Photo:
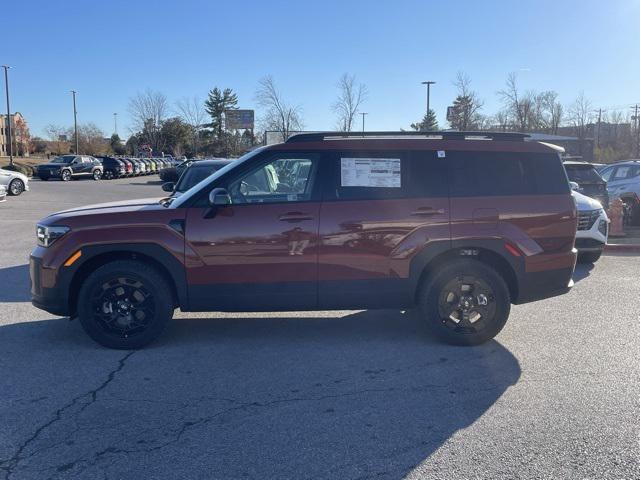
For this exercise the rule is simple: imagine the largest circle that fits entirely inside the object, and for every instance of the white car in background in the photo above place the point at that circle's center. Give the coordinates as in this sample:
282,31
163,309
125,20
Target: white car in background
14,182
3,193
593,228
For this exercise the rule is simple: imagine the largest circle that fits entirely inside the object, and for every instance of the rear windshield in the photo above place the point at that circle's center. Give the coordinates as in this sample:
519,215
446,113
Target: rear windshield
582,174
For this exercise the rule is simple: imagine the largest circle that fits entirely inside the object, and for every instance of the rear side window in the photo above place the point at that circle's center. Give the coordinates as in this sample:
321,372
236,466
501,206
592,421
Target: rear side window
388,175
478,174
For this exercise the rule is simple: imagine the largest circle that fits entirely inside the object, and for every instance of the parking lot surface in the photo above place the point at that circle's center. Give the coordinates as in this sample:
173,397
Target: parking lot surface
345,395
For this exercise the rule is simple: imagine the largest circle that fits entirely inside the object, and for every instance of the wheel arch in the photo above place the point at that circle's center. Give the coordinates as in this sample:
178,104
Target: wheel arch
491,253
155,255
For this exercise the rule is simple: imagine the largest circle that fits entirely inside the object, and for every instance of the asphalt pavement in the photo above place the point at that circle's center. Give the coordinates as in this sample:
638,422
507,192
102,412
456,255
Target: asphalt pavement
339,395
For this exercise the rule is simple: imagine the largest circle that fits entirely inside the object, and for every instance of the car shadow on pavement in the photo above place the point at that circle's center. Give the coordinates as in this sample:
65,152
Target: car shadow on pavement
367,394
582,271
15,284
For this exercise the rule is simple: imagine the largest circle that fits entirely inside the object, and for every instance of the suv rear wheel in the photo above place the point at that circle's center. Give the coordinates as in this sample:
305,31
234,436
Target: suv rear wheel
125,304
466,302
97,174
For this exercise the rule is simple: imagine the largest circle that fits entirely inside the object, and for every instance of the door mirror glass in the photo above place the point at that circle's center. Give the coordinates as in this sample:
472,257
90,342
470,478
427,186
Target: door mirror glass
574,186
168,186
219,197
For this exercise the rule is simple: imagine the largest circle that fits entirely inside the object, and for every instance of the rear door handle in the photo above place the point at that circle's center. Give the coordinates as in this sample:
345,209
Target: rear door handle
294,217
427,212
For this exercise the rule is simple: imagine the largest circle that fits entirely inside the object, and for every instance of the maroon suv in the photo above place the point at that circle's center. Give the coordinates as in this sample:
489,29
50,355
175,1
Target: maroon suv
456,225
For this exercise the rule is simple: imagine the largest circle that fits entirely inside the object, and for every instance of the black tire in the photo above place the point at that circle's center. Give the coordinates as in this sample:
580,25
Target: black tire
108,175
16,187
489,298
97,174
589,257
66,175
111,323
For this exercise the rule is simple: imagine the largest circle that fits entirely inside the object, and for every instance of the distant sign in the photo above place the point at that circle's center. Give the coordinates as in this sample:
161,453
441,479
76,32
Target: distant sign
238,119
452,113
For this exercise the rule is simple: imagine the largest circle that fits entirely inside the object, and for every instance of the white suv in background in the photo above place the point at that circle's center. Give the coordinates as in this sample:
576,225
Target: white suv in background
593,228
623,181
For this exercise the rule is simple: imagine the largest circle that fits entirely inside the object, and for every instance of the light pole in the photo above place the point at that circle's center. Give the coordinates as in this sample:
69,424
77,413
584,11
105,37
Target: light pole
75,120
428,83
115,123
6,87
363,114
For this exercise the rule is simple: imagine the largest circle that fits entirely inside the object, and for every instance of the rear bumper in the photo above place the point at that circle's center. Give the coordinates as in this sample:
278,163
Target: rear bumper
553,280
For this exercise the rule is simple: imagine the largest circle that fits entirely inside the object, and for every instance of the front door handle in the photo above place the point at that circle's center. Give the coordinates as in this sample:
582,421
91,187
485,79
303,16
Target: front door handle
427,212
294,217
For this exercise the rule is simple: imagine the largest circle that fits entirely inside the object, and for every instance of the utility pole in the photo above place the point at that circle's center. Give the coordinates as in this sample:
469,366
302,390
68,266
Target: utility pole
428,83
115,123
6,87
363,114
598,131
637,121
75,120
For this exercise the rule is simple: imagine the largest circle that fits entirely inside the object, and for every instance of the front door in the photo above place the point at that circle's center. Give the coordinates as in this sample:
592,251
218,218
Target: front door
260,252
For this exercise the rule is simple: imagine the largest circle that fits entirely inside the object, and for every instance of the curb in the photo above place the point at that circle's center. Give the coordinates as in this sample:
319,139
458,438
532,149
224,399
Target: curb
622,248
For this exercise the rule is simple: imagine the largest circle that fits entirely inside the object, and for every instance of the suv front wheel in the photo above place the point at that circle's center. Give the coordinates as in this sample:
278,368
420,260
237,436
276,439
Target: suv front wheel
125,304
65,175
465,302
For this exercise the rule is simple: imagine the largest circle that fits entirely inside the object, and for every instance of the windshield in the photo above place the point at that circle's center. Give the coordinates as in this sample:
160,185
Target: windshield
194,175
211,178
63,159
581,174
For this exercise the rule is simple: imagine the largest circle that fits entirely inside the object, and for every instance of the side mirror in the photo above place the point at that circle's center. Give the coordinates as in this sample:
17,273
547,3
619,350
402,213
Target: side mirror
168,186
219,197
574,186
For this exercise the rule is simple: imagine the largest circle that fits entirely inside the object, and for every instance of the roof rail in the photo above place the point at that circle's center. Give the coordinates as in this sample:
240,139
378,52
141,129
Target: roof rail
446,135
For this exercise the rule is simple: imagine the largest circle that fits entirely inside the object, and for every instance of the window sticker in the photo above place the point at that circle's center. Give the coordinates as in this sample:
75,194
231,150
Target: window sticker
370,172
441,154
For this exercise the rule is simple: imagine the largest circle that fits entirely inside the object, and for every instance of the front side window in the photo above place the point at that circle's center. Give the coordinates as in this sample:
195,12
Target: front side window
282,179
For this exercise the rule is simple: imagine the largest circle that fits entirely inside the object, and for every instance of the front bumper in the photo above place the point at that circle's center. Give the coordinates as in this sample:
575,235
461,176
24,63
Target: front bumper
595,238
50,299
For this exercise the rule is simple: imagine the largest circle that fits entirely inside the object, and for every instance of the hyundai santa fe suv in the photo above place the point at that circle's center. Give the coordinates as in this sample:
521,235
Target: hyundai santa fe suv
457,226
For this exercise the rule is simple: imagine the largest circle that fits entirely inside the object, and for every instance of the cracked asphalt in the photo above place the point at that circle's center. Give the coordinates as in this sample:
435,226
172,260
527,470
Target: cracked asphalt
346,395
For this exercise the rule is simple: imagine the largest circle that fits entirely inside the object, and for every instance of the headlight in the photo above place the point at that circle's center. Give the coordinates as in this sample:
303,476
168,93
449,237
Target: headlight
47,235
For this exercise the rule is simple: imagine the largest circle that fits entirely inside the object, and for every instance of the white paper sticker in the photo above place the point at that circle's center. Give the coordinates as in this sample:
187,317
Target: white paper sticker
441,154
370,172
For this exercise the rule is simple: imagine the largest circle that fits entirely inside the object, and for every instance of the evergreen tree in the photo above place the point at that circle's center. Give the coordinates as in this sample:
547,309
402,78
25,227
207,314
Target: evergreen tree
429,123
217,102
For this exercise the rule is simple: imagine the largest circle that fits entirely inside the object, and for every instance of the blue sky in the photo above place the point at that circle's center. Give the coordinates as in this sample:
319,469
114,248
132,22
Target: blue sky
109,50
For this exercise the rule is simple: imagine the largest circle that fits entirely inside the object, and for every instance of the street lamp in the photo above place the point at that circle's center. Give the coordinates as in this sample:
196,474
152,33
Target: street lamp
428,83
6,87
115,123
75,120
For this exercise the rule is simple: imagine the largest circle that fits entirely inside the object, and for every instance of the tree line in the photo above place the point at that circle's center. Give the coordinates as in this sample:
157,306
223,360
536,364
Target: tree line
196,127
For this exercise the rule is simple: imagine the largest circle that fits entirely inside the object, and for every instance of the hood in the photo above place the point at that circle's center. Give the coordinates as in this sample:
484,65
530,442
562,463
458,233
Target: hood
585,203
125,206
19,175
53,165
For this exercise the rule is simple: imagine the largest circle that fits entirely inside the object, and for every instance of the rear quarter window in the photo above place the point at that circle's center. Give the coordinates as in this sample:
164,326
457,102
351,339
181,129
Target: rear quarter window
479,174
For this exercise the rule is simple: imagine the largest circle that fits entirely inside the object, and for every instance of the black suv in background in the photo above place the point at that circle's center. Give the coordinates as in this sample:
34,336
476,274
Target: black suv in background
589,181
67,167
112,168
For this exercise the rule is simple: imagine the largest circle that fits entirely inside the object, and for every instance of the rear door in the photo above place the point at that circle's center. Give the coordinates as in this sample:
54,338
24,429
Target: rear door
380,210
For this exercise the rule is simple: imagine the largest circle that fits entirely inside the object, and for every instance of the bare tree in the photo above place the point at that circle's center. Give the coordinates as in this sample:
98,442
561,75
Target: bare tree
518,105
148,111
579,114
350,97
278,115
58,137
466,105
192,112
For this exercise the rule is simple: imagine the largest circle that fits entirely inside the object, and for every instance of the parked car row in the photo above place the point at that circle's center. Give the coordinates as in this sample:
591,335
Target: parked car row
68,167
